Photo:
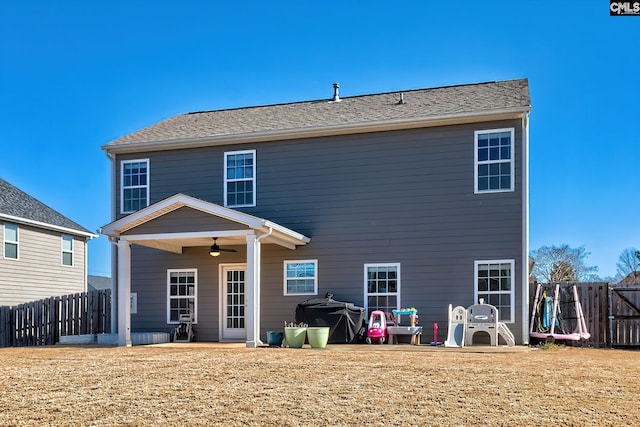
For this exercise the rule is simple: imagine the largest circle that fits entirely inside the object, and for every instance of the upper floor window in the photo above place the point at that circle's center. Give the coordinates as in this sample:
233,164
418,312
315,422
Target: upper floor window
494,284
240,178
494,164
135,185
11,241
382,287
67,250
301,277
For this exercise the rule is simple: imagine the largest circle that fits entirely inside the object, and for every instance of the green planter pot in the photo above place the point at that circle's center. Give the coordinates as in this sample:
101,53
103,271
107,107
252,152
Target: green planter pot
295,336
318,336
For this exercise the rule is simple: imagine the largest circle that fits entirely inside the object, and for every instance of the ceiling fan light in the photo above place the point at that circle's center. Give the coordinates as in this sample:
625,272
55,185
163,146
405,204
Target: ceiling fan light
214,251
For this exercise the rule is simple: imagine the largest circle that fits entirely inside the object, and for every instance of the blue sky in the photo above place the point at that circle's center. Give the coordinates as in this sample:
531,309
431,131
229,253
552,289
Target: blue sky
75,75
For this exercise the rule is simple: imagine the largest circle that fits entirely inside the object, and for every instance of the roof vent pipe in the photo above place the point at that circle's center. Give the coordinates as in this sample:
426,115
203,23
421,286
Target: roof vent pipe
336,92
401,102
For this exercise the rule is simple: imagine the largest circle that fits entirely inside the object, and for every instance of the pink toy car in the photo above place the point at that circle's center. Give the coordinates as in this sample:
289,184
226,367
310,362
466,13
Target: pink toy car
377,330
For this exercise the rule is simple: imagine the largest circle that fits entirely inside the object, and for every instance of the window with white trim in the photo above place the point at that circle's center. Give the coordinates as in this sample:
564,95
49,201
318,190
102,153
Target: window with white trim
240,178
494,282
494,160
182,294
67,250
382,287
134,185
11,241
301,277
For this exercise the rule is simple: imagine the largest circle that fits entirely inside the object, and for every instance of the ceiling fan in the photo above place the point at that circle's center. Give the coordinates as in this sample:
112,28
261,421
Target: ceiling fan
215,249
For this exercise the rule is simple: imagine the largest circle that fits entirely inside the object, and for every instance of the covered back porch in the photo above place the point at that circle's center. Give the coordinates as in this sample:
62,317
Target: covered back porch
181,224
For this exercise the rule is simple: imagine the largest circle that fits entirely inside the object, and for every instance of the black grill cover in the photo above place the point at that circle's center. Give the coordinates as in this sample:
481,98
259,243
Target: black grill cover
345,319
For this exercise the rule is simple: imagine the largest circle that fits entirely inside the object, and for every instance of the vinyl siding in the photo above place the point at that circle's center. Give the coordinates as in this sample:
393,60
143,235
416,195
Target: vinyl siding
185,220
39,273
389,197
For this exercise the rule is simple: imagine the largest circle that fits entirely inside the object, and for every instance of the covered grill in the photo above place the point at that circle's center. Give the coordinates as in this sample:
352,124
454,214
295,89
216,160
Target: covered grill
345,319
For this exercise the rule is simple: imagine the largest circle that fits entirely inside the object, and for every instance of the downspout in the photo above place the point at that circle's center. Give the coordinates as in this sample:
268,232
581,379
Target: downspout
525,229
262,236
86,264
259,274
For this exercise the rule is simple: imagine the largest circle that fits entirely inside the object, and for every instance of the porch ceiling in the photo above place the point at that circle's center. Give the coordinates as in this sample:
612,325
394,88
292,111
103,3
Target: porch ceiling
131,227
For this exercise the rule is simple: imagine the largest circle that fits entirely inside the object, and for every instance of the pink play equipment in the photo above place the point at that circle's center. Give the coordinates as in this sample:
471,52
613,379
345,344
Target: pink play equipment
435,341
557,314
377,330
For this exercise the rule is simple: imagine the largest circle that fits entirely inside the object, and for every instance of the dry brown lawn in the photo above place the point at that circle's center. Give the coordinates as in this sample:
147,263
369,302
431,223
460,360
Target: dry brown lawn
341,385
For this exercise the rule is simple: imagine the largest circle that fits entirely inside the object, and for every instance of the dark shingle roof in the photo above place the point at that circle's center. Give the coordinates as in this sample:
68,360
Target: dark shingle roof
632,278
357,110
99,282
17,203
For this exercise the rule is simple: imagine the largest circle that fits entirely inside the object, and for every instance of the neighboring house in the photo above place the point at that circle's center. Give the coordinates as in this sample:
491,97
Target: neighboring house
416,198
99,283
43,253
631,279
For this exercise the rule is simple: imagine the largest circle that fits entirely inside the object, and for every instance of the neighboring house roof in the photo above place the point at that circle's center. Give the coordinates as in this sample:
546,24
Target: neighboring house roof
96,283
364,113
632,278
18,206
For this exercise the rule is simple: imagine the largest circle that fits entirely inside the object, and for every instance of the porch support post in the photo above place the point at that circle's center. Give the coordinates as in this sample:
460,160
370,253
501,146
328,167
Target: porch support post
124,293
252,292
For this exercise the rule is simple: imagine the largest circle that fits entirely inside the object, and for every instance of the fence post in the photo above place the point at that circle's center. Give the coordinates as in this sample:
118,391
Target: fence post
3,326
107,311
76,314
12,325
84,323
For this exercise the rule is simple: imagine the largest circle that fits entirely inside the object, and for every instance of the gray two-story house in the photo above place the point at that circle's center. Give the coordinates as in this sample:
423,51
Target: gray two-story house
415,199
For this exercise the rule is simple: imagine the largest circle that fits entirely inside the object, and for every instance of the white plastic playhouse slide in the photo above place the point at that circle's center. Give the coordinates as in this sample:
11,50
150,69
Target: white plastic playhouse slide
465,322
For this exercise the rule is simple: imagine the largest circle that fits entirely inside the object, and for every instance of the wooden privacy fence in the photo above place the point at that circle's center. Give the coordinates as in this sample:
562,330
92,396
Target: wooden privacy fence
594,298
625,315
42,322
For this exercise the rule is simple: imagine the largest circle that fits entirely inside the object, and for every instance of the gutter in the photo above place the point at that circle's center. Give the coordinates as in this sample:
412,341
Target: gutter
318,131
47,226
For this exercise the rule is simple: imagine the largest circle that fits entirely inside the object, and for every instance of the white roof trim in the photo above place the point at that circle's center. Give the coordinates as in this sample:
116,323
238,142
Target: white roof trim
173,203
282,235
47,226
317,131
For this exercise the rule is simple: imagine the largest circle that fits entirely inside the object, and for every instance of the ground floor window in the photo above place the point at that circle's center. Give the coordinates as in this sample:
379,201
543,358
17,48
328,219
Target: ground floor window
495,284
301,277
182,294
382,287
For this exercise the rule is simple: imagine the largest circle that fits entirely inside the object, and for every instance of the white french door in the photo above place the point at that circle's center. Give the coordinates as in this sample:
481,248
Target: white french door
232,319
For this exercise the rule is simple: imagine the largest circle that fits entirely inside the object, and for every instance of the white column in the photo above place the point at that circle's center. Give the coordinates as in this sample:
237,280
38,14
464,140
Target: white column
124,293
252,292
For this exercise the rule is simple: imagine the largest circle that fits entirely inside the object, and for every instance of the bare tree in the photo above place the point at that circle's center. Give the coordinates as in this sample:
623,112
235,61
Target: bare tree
554,264
562,271
628,262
